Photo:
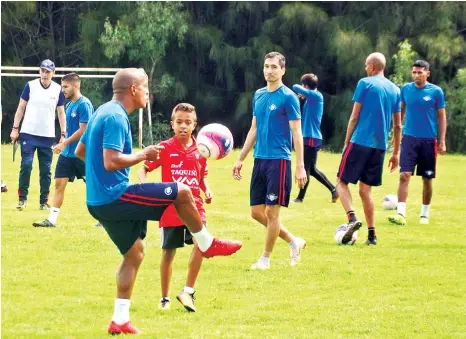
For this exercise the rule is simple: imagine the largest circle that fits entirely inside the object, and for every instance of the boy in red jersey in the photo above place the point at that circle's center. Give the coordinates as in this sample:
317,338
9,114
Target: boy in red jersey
180,162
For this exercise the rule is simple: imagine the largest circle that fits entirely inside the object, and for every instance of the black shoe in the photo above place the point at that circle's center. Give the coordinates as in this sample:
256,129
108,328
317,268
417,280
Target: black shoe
352,227
45,223
298,200
335,196
4,188
371,241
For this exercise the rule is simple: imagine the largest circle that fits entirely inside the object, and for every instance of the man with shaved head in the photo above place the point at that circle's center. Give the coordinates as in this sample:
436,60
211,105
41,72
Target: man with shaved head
376,102
124,209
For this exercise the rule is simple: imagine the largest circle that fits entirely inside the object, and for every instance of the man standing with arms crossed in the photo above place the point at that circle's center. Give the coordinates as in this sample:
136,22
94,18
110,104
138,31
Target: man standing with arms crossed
38,102
423,105
122,208
69,167
275,119
376,102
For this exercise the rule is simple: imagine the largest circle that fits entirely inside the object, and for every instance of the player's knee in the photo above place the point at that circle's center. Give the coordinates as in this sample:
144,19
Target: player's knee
313,171
256,215
136,252
271,212
184,193
364,193
404,177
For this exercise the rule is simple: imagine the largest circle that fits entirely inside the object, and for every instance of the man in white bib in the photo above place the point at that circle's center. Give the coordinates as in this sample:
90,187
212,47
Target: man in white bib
39,100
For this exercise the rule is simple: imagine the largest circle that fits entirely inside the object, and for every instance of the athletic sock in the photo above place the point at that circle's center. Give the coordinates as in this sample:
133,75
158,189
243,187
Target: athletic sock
53,215
351,216
371,234
165,298
204,239
425,211
188,289
264,260
121,313
401,208
292,243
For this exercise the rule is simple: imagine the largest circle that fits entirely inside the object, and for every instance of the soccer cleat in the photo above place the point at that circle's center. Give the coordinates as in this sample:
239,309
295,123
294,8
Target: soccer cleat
424,220
187,300
45,223
397,219
21,205
260,265
295,251
352,227
371,241
126,328
298,200
4,188
164,304
335,196
44,207
221,248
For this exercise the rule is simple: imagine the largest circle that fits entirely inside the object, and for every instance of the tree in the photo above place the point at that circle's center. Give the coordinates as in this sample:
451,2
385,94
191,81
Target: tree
404,60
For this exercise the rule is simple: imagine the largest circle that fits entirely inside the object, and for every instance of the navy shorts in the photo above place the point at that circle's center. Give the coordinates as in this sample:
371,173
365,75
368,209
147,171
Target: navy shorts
361,163
125,219
271,182
70,167
420,153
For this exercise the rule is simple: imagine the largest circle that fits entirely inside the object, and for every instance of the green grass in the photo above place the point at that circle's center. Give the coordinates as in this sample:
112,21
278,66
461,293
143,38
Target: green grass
60,283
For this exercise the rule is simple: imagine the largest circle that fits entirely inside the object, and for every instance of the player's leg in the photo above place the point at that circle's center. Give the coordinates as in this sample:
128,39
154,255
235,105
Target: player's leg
45,156
4,187
320,177
365,193
427,168
58,197
166,270
258,214
307,167
27,157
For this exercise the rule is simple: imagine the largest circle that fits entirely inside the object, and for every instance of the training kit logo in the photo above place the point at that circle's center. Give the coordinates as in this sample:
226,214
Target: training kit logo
429,173
73,115
177,166
272,197
168,190
272,107
427,98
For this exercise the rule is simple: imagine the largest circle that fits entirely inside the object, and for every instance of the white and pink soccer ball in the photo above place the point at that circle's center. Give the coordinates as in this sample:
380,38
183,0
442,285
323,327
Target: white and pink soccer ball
214,141
340,232
390,202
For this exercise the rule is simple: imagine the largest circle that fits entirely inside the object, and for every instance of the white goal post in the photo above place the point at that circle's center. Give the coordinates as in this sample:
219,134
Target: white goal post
12,71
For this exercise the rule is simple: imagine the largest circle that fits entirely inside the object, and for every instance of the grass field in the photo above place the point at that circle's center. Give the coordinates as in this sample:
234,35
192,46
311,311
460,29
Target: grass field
60,283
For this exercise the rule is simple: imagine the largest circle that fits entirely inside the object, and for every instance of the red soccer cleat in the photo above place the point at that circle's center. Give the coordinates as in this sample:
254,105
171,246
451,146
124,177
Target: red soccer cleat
222,248
127,328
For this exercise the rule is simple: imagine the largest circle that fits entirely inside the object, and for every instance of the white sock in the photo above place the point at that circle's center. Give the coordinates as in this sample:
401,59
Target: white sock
188,289
264,260
166,298
121,313
292,243
204,239
401,208
53,215
425,211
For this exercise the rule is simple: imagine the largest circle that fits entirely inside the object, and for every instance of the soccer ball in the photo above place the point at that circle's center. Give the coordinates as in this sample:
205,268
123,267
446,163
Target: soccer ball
214,141
340,232
390,202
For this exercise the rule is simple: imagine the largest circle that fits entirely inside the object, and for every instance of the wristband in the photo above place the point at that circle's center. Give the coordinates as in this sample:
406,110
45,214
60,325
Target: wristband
15,127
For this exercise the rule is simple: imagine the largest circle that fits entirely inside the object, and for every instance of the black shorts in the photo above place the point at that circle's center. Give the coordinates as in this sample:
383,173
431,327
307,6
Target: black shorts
271,182
419,153
125,219
176,237
361,163
68,167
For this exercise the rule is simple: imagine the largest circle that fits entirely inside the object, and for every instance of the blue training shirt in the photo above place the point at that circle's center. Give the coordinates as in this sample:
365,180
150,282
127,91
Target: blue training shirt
76,113
273,111
379,99
421,109
312,112
108,127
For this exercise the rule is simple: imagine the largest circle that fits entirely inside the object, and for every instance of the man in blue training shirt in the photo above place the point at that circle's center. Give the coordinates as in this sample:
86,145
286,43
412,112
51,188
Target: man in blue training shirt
39,100
376,102
78,110
422,105
311,118
124,209
275,118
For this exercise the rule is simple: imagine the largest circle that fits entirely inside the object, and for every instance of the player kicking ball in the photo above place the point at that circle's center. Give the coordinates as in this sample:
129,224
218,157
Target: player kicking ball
180,162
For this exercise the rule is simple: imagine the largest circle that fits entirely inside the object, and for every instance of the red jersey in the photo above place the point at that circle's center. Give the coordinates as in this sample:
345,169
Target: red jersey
180,164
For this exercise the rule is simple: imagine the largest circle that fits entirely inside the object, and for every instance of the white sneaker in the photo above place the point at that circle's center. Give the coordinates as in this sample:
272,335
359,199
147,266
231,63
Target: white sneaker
295,251
260,265
424,221
164,304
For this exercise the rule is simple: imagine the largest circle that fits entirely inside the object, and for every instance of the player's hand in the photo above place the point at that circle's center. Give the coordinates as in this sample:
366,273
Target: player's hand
58,148
301,177
208,196
393,162
302,97
62,139
442,148
153,152
237,170
14,134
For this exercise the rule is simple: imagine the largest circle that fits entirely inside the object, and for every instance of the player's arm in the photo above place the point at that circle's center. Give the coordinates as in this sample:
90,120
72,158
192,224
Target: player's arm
394,159
353,121
305,92
62,121
295,126
248,145
73,138
204,186
17,120
80,151
442,123
142,174
403,112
